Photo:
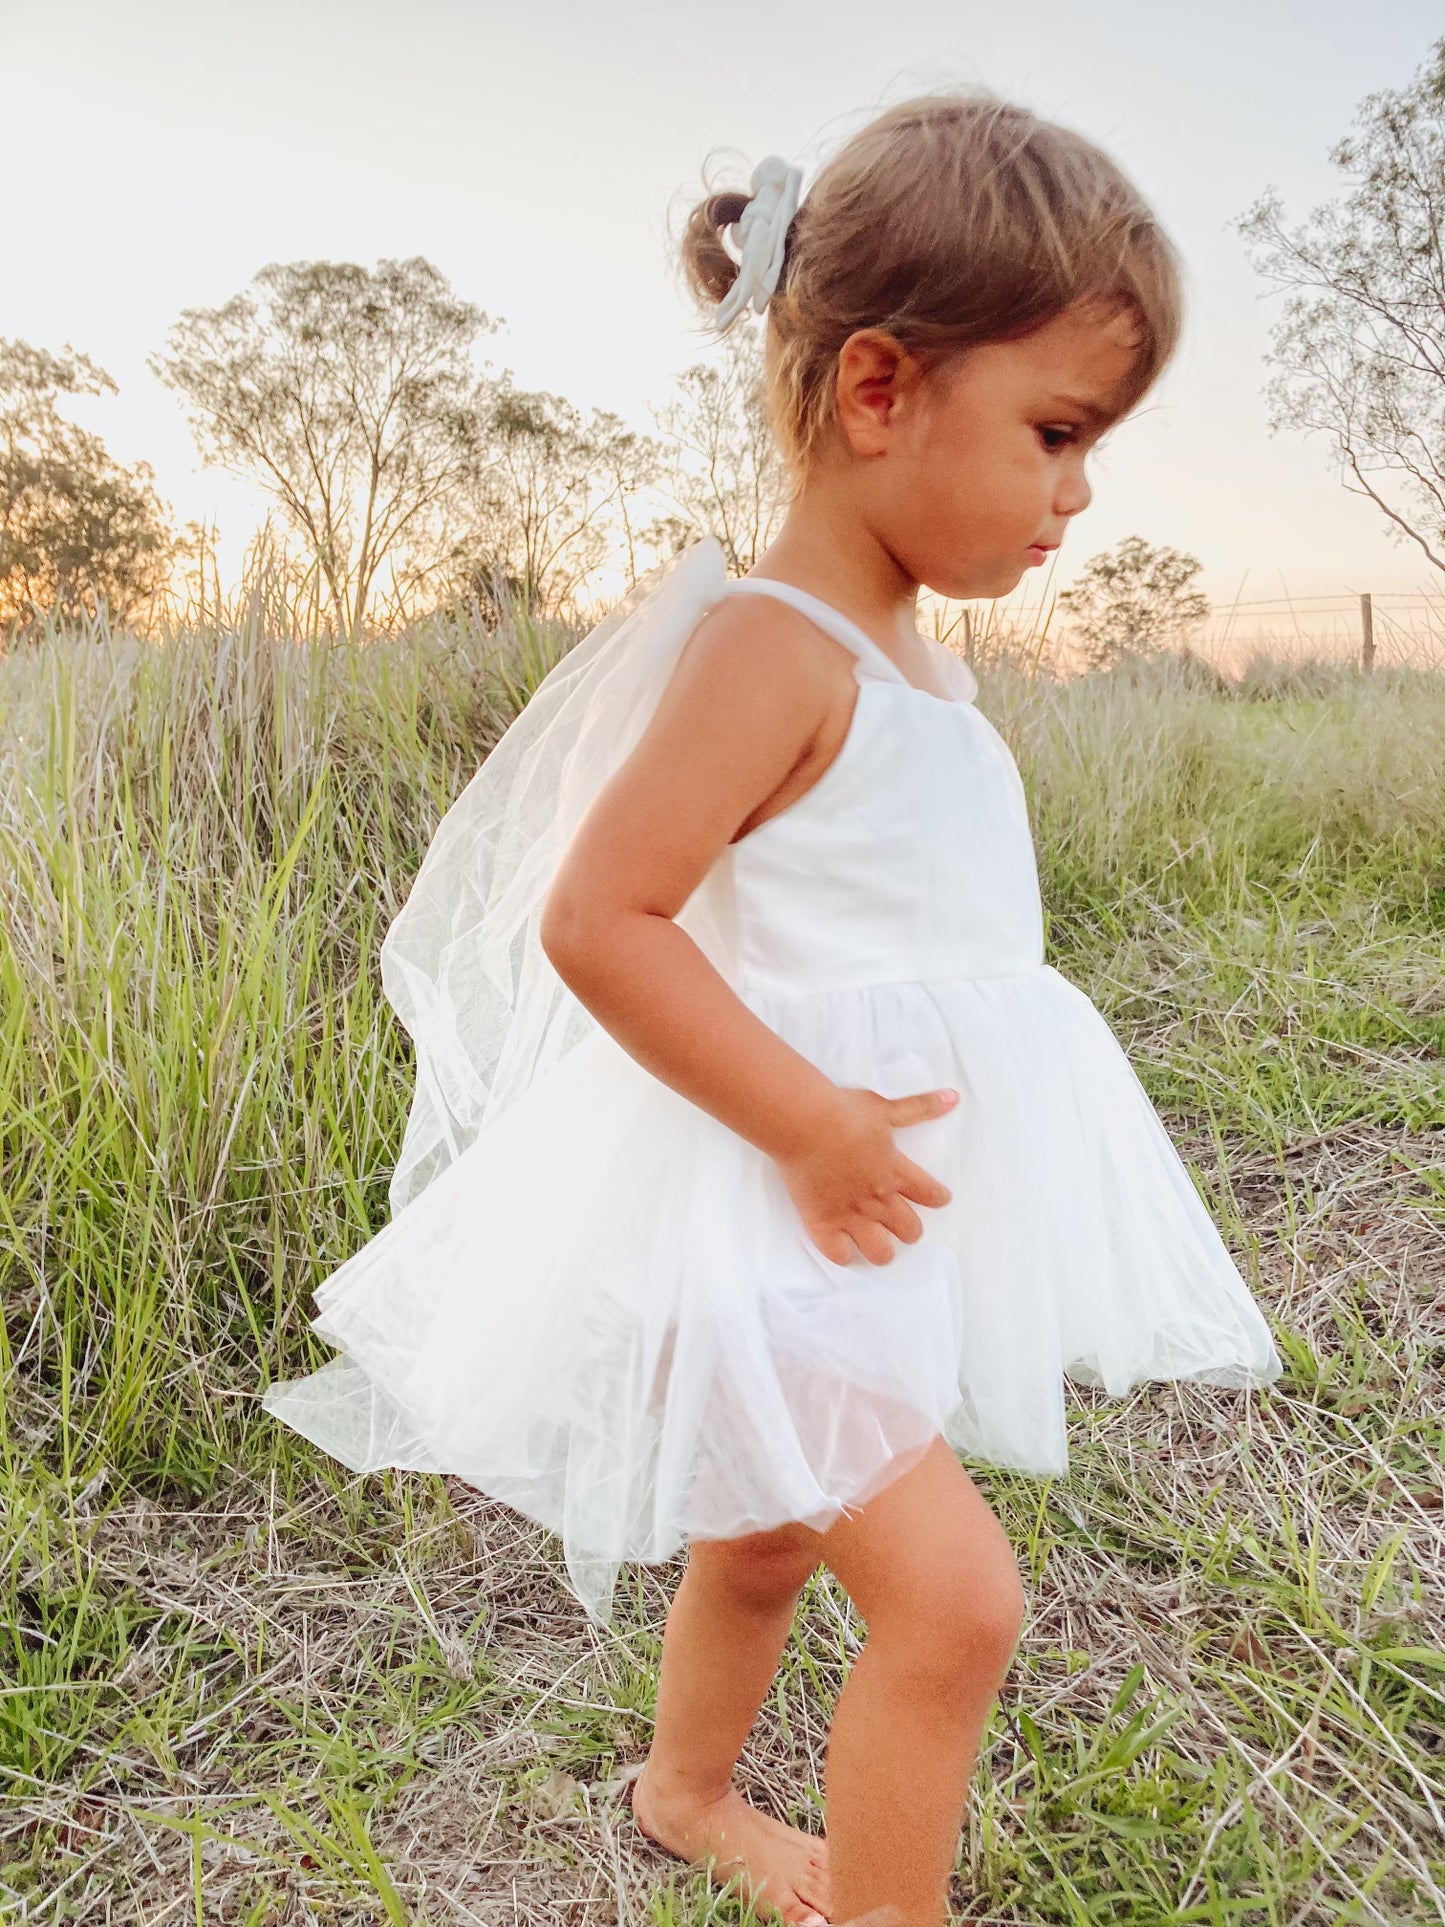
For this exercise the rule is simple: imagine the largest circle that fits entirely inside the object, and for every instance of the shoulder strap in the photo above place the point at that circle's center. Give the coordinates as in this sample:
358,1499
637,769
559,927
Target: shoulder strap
832,621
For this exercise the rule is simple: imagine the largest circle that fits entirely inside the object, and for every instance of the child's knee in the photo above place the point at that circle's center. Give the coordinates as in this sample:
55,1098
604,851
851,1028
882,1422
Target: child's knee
961,1630
763,1572
997,1618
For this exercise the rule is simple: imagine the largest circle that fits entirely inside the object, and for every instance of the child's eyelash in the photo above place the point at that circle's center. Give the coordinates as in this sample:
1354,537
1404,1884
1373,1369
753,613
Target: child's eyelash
1066,435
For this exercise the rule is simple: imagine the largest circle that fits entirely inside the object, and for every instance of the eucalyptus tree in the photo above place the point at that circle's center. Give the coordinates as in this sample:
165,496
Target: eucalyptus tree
1132,600
349,396
551,501
78,530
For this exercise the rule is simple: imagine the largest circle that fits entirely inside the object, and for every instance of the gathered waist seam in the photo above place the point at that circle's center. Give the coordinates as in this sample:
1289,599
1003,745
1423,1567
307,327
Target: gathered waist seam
763,988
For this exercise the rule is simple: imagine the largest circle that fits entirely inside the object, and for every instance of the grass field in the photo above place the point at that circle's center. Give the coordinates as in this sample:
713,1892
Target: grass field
242,1686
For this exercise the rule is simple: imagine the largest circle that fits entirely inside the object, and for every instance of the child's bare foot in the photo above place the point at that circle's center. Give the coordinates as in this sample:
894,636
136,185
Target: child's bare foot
782,1867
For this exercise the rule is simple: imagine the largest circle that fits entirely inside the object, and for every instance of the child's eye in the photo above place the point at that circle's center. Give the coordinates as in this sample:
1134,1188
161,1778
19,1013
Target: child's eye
1056,438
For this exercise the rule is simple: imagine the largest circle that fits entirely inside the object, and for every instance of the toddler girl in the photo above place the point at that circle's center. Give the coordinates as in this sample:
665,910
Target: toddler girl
759,1165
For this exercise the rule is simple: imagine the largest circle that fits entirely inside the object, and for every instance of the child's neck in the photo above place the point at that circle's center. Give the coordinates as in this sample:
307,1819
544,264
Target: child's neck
826,548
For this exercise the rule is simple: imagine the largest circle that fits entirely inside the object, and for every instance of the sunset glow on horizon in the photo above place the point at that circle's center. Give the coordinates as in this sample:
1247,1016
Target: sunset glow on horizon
543,169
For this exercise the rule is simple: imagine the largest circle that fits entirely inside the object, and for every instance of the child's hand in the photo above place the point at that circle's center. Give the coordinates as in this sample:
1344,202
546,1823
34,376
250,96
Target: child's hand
852,1185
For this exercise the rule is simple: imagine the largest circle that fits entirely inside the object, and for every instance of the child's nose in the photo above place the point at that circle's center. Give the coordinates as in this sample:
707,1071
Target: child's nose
1075,492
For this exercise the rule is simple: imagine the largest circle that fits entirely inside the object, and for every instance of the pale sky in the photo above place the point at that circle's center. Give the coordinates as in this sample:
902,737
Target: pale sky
158,153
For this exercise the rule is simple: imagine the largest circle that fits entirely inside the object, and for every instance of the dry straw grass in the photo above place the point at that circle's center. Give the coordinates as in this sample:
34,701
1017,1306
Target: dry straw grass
244,1687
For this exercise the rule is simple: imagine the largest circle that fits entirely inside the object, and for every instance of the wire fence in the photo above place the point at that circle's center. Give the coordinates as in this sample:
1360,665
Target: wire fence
1392,629
1261,634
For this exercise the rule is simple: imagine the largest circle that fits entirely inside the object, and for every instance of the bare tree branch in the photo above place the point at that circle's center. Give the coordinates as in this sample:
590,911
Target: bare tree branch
723,471
1359,350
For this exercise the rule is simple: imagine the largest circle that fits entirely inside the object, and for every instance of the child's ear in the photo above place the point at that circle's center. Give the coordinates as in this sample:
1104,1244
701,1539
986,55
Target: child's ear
876,375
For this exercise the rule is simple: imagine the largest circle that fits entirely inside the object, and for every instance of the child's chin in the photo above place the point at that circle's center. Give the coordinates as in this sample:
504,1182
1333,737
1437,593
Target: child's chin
1003,581
978,584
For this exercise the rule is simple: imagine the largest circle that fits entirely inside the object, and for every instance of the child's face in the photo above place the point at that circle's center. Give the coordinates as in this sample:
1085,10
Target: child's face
985,458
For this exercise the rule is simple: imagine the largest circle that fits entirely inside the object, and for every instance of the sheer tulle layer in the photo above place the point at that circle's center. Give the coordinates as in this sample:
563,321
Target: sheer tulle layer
607,1312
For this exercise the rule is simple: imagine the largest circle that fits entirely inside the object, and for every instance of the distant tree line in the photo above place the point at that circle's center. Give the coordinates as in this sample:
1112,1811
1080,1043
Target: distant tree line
350,398
403,475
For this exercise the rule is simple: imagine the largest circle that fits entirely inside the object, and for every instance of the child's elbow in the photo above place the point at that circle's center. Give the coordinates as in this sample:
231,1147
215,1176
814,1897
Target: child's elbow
566,933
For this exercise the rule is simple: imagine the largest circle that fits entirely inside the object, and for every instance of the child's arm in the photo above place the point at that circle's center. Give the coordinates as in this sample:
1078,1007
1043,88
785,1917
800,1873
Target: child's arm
754,693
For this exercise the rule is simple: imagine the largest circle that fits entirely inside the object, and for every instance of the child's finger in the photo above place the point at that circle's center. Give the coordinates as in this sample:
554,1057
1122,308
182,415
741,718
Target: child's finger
835,1244
919,1106
921,1185
902,1220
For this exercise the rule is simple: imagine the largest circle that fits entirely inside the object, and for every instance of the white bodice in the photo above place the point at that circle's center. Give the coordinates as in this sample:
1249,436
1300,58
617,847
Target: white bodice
909,859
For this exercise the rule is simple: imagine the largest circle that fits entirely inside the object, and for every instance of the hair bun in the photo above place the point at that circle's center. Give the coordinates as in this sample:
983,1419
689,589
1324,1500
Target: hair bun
710,269
746,233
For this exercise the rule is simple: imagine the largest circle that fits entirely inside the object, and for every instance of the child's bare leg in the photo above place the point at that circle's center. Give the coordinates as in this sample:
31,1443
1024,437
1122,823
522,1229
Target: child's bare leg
725,1634
930,1569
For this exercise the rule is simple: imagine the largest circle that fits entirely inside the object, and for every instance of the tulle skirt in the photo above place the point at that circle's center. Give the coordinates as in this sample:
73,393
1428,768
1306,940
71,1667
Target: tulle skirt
608,1314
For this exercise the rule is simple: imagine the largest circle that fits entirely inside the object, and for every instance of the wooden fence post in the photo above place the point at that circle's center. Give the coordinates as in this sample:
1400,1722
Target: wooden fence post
1367,635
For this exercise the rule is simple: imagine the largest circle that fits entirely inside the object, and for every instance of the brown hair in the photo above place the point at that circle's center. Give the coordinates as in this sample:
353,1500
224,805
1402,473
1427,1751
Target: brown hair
951,220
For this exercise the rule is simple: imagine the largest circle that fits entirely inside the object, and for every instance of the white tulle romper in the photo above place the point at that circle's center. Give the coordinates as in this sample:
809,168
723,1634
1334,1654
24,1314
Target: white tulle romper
607,1312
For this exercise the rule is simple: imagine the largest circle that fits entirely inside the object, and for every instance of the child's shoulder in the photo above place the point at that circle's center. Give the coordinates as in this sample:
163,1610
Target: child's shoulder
760,641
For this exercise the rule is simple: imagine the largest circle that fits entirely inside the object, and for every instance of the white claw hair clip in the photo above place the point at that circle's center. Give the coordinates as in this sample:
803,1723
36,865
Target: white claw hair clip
758,237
